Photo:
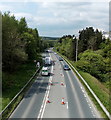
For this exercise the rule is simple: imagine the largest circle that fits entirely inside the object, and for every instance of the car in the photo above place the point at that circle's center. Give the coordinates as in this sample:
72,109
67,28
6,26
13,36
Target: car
60,59
45,71
66,67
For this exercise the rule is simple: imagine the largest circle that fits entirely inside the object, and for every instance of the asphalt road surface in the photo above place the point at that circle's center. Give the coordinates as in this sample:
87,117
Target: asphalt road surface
60,95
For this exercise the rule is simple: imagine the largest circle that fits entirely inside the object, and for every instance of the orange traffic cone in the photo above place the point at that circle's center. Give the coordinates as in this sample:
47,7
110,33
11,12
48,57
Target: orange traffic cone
62,83
48,101
63,103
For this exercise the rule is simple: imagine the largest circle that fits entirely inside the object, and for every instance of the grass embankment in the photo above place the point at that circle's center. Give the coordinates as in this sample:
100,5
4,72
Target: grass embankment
16,81
100,89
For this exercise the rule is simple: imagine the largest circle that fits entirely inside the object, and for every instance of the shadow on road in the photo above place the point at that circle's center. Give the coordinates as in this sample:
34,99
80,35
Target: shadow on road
37,88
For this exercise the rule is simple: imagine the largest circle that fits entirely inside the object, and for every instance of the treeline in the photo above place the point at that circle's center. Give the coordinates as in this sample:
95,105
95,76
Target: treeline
19,42
93,52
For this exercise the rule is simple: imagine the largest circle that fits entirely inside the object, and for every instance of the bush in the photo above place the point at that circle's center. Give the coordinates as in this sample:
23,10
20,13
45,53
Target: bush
83,65
93,63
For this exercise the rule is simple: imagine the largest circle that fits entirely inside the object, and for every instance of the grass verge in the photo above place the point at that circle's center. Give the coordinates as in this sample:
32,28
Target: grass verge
12,83
19,78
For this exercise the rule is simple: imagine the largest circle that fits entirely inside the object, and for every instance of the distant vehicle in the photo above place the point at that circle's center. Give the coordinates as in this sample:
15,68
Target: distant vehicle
45,71
66,67
48,61
55,53
48,51
60,59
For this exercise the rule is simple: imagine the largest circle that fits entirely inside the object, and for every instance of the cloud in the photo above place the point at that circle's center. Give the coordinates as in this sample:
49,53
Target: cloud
58,18
4,8
55,0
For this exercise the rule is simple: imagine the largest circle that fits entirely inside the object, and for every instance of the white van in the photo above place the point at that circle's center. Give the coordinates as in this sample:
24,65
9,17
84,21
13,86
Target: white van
45,71
47,61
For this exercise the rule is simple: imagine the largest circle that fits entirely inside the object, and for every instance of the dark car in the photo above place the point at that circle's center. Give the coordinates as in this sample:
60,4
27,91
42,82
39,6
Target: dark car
66,67
60,59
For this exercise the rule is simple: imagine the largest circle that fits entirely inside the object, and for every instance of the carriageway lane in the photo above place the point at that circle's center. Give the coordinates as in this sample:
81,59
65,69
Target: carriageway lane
30,105
80,105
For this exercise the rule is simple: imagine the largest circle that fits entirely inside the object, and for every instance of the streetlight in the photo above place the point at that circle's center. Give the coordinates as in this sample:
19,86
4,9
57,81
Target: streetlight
76,46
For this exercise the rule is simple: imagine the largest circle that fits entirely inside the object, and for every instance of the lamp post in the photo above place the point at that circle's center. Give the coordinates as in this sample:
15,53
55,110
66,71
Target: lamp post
76,48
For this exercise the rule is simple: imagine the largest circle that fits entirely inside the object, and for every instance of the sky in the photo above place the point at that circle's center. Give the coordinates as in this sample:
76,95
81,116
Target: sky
55,18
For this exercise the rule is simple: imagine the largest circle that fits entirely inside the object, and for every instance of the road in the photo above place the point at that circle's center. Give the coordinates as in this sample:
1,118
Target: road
65,88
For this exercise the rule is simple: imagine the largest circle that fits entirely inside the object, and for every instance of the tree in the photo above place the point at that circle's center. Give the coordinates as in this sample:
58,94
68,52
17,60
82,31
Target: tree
22,25
89,39
11,43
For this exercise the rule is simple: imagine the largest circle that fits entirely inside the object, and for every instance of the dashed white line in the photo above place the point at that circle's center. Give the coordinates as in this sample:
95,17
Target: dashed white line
67,105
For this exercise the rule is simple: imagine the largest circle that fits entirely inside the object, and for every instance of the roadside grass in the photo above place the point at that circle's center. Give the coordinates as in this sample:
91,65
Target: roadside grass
101,92
16,81
99,89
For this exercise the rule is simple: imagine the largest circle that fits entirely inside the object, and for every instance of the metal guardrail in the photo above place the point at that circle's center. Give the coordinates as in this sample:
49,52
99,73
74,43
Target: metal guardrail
18,94
94,95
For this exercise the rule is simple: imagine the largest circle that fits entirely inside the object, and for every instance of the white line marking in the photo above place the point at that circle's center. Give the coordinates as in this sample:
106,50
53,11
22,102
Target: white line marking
84,95
67,105
42,109
75,95
83,91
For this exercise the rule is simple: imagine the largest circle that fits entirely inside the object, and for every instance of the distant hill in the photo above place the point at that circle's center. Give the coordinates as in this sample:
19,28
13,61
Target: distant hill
49,38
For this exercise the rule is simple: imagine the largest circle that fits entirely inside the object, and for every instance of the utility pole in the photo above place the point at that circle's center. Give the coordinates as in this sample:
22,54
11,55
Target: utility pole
76,48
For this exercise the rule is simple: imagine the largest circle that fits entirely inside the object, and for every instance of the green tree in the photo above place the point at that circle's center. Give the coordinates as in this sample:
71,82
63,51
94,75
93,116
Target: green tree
22,25
11,43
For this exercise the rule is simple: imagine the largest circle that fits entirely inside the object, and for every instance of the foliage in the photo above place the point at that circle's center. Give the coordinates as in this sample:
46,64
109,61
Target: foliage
94,52
20,43
89,39
66,46
95,64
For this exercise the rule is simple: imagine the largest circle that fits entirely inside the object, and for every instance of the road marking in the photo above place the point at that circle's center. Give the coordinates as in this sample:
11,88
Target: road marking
83,91
84,95
42,109
76,96
67,105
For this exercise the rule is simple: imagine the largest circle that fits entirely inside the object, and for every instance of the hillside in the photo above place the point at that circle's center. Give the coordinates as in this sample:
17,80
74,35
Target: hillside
49,38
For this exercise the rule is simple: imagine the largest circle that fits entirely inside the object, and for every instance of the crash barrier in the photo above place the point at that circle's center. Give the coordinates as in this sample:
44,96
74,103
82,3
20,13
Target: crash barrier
91,91
18,97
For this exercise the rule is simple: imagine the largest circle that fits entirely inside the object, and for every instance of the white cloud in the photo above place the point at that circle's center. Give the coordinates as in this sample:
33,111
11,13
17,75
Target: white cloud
67,17
4,8
55,0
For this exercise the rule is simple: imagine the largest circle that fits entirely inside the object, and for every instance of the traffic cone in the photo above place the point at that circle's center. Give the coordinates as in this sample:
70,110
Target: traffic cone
48,101
63,103
62,83
51,83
